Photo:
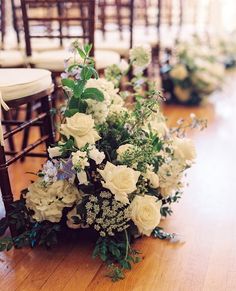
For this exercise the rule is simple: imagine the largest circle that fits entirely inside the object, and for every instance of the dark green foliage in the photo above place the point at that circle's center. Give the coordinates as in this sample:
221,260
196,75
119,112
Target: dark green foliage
158,232
30,232
118,255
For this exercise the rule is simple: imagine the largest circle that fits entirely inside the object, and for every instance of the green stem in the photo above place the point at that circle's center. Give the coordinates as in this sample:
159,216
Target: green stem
127,244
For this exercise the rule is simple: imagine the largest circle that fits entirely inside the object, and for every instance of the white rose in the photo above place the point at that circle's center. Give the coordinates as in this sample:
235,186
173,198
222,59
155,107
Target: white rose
81,127
145,213
120,180
179,72
153,179
54,152
97,156
184,149
124,148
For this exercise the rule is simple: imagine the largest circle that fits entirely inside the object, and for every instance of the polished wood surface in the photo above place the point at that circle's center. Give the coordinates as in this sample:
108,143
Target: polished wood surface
203,257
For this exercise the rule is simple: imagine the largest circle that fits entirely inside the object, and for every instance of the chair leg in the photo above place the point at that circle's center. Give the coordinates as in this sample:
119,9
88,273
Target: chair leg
6,116
48,121
5,187
27,130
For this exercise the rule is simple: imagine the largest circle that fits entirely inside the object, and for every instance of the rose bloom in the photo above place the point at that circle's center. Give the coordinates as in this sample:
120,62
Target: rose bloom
47,202
145,213
184,149
120,180
124,148
81,127
179,72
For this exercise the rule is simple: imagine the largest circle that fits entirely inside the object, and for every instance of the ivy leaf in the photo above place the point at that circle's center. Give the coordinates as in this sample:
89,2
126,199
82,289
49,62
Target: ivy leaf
68,83
93,93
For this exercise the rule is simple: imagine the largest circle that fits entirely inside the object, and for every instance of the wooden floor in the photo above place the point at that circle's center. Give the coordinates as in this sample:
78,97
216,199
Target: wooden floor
204,258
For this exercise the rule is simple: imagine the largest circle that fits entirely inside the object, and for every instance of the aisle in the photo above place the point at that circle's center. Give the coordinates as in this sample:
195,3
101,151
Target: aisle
205,219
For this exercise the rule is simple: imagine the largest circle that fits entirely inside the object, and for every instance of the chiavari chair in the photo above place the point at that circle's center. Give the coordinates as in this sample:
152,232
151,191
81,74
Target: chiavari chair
115,21
65,27
19,87
2,22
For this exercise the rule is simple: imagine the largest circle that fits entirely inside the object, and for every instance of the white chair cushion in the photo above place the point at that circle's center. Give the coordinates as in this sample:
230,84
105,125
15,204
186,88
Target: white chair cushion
54,60
119,47
11,59
19,83
39,45
105,58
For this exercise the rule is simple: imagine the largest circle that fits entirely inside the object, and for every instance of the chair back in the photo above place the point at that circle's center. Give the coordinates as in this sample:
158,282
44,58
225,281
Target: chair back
2,22
117,13
58,19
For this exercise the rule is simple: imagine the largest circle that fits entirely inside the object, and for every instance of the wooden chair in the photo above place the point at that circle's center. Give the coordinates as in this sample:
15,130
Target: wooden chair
18,87
115,18
63,32
2,22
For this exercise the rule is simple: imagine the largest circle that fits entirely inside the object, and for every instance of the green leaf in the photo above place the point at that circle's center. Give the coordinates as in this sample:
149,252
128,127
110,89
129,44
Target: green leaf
73,104
79,88
71,112
68,83
82,106
3,225
86,73
93,93
81,53
87,48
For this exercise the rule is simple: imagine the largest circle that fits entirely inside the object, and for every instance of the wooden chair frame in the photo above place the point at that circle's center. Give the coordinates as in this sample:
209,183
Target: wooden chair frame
2,22
119,5
61,19
44,121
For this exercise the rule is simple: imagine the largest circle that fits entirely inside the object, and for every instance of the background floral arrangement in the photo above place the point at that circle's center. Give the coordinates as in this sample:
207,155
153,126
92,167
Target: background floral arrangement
195,73
115,171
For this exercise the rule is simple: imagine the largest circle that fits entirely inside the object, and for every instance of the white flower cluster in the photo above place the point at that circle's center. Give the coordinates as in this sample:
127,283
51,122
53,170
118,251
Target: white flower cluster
106,215
48,202
140,56
112,101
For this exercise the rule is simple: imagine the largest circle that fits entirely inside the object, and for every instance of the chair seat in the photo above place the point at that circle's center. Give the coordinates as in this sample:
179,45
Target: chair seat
10,59
19,83
119,47
54,60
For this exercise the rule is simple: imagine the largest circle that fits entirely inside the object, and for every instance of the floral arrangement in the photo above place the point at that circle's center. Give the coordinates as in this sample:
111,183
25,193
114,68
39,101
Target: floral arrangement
226,48
114,171
195,73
